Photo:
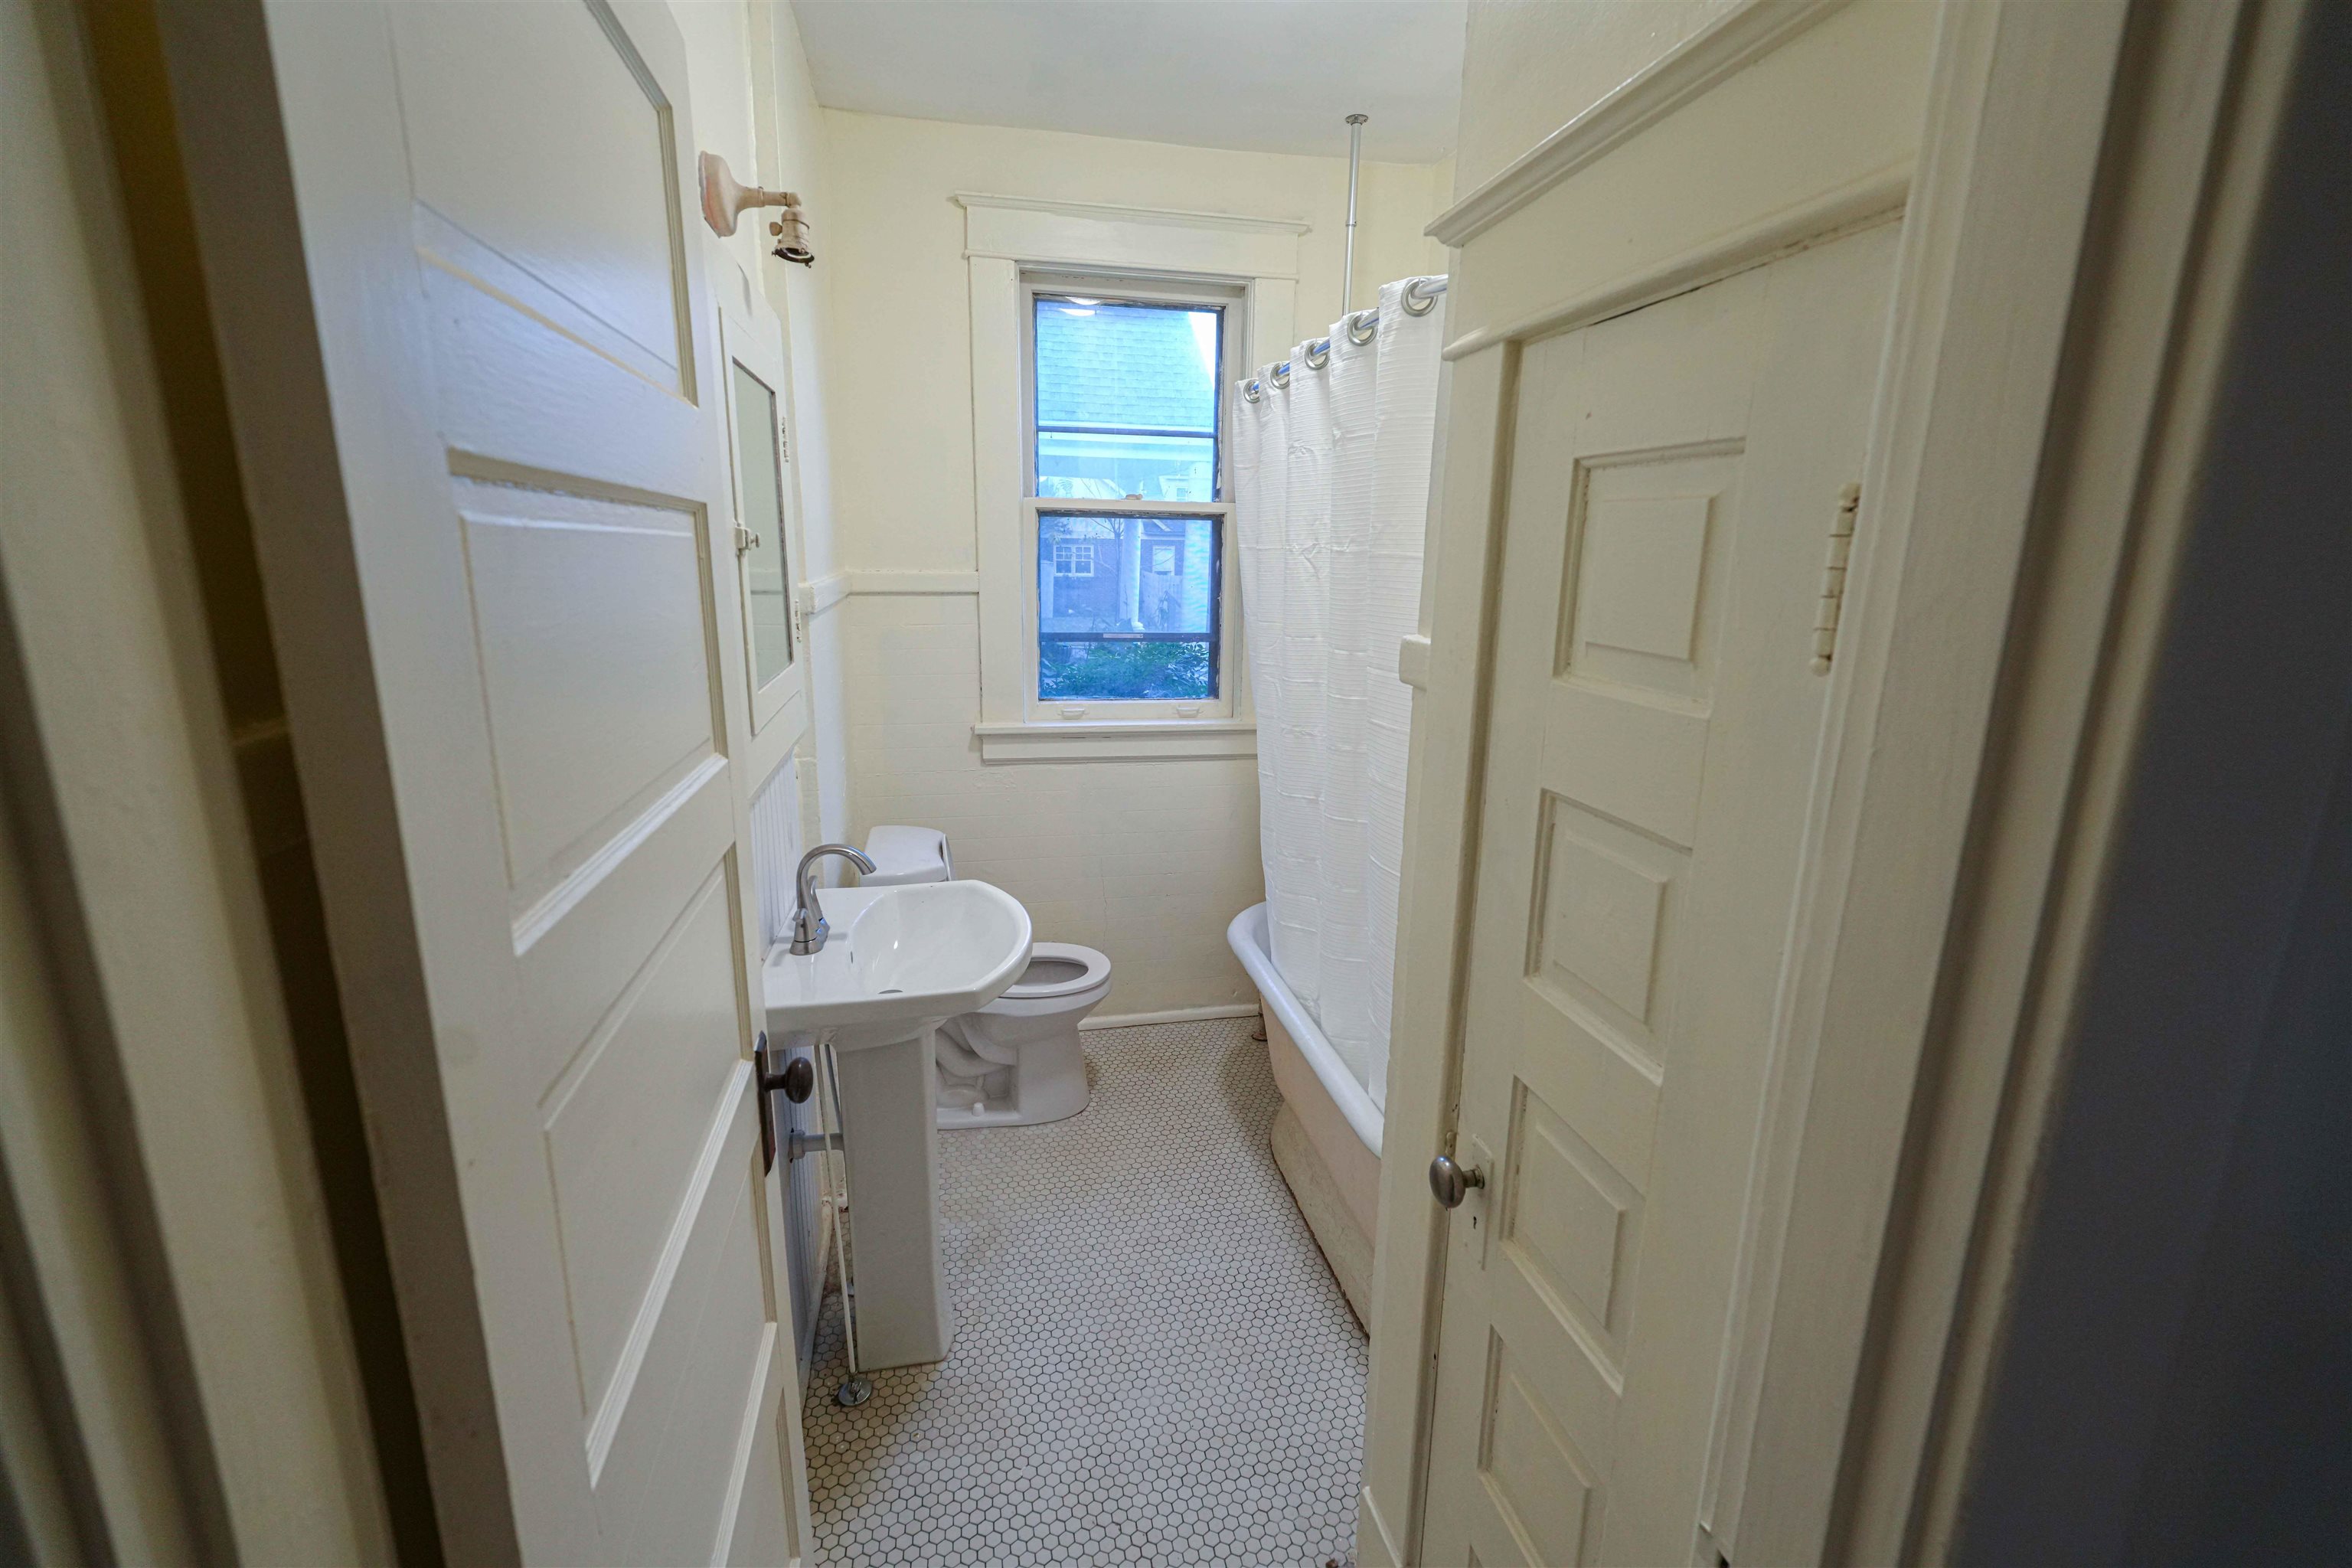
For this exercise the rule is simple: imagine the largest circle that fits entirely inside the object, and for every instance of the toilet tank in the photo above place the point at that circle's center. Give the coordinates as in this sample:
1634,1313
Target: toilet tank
903,855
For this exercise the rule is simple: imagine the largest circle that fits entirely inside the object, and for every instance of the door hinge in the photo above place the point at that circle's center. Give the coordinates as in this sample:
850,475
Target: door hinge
1825,622
746,541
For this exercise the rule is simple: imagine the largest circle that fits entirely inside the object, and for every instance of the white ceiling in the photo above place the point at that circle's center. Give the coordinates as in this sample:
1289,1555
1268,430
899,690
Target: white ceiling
1275,76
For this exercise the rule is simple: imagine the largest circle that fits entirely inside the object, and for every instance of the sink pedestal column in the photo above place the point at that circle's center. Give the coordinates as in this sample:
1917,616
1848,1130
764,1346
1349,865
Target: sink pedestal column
890,1143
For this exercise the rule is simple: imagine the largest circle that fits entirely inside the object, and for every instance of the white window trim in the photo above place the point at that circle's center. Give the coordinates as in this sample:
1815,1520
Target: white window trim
1005,237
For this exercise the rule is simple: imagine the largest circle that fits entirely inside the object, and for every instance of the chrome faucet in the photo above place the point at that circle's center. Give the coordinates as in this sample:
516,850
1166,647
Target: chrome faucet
809,929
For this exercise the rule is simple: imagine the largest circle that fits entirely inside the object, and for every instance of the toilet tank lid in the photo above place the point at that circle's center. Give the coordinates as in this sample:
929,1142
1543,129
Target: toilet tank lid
905,855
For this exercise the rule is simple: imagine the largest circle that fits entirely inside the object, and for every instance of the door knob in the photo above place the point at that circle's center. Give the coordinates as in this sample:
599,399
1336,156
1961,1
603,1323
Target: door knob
1450,1183
797,1078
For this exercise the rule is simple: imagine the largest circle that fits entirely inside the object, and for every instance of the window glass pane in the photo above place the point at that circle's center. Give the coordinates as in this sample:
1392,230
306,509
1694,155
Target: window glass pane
766,610
1127,608
1127,399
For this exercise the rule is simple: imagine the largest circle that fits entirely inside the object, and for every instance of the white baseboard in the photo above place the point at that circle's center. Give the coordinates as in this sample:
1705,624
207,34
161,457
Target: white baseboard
1171,1016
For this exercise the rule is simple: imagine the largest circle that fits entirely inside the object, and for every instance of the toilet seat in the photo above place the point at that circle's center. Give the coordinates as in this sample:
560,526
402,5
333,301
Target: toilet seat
1017,1061
1094,969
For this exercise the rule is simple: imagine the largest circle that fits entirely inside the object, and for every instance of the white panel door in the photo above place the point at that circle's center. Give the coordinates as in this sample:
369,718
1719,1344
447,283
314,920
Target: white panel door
1674,477
499,215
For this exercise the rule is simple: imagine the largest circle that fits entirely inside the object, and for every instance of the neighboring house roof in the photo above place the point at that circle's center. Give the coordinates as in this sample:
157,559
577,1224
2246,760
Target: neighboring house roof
1135,366
1064,488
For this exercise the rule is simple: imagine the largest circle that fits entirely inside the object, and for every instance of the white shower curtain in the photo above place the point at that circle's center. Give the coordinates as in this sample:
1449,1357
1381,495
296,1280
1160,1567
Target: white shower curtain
1331,494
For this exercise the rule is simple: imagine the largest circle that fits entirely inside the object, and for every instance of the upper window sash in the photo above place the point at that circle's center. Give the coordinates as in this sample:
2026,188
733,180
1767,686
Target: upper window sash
1226,298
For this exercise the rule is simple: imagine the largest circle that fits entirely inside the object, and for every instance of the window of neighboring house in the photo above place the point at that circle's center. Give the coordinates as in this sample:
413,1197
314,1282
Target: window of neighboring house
1127,466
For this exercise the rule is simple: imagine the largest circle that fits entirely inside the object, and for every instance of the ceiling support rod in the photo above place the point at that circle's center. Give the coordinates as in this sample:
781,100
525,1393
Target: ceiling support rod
1355,161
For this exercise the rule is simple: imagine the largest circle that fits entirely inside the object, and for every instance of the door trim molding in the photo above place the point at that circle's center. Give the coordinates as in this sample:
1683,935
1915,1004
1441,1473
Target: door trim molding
1736,38
1876,197
2104,498
1959,434
1829,118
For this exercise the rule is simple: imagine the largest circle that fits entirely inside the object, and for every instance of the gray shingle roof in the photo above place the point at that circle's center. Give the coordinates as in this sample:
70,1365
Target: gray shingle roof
1125,365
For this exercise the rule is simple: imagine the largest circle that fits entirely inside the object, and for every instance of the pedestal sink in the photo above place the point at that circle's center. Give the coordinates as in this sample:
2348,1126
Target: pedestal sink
899,962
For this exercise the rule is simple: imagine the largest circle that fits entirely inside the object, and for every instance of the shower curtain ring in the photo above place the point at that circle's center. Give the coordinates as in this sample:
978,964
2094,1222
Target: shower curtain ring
1318,354
1361,326
1418,302
1250,390
1282,375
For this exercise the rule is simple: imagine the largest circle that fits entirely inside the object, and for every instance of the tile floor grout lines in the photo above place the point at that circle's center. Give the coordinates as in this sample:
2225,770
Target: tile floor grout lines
1151,1365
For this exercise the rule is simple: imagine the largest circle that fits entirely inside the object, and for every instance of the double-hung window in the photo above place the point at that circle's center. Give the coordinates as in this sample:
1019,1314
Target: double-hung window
1127,517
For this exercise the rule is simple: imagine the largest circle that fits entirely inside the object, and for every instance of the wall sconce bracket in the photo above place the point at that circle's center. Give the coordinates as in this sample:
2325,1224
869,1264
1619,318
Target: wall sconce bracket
725,199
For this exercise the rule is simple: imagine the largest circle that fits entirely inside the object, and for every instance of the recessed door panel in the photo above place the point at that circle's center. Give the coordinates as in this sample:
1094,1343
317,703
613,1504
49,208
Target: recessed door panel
1540,1485
594,643
1574,1219
1607,898
1651,534
625,1127
672,1455
536,133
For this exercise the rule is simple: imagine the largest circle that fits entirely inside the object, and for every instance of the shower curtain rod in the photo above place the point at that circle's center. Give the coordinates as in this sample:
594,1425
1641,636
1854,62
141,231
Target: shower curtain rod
1419,295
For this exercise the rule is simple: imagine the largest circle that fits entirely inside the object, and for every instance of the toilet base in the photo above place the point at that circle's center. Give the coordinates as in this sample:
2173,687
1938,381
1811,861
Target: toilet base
952,1117
1045,1082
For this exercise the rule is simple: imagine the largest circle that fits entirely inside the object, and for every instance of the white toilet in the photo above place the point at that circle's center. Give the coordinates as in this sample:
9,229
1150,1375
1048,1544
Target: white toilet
1017,1060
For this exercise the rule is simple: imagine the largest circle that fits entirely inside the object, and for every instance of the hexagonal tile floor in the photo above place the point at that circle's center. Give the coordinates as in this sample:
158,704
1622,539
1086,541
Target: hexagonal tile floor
1151,1363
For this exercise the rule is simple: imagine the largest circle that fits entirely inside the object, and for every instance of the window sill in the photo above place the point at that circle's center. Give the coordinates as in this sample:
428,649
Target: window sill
1118,739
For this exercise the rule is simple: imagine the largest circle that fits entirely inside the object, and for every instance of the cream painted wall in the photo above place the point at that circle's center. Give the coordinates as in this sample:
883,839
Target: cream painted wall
1147,860
901,387
1587,47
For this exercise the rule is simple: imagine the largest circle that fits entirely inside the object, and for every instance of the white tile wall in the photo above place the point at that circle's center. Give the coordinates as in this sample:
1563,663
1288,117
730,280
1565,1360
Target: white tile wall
776,847
1146,860
777,813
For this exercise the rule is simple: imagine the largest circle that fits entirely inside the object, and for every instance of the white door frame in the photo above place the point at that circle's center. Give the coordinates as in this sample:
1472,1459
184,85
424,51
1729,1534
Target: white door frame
179,1380
2103,486
2005,586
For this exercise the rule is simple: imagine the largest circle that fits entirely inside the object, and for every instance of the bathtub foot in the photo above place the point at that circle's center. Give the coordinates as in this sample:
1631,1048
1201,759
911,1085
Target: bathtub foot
1257,1030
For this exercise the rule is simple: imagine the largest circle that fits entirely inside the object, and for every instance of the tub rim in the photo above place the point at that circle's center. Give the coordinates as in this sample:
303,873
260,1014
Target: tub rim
1248,938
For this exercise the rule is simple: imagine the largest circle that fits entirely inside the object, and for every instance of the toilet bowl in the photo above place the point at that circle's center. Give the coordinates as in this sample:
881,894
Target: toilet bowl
1017,1061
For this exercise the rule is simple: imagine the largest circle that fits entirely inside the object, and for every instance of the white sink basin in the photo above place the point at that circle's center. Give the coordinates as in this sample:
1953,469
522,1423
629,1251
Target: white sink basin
899,960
